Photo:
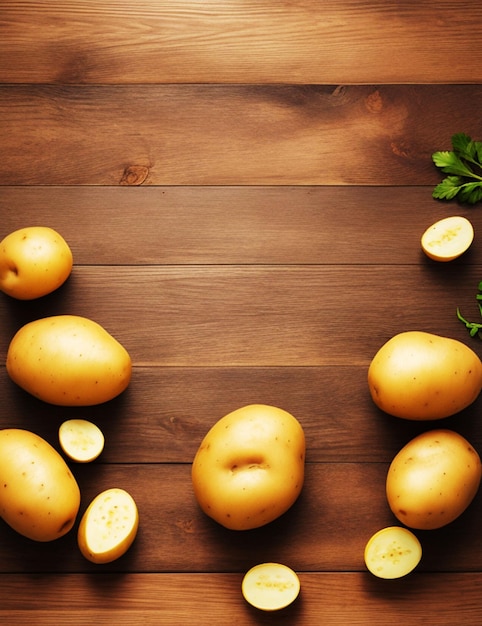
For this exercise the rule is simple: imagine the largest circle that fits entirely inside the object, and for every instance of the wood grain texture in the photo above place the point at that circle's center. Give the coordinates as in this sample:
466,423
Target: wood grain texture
230,134
244,186
238,225
218,316
200,600
251,41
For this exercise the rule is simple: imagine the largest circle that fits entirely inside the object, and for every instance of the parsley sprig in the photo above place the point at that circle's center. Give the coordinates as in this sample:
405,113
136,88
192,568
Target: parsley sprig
474,328
464,166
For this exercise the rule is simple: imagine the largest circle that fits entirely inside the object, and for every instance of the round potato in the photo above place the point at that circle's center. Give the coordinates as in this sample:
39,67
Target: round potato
68,360
421,376
39,496
34,261
249,468
433,479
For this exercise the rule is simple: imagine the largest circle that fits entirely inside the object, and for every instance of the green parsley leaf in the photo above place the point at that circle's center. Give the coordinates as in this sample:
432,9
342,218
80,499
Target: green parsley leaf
470,193
466,148
451,164
462,181
448,188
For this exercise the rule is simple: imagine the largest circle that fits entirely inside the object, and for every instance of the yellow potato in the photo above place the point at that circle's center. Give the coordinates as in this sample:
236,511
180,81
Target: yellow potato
392,552
448,238
270,586
249,468
34,261
39,496
421,376
81,440
433,479
68,360
108,526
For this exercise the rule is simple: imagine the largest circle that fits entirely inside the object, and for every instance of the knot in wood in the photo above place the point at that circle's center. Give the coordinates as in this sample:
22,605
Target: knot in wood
134,175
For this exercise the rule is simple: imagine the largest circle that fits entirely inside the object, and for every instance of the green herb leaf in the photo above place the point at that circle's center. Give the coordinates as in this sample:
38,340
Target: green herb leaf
462,180
451,164
467,149
471,192
448,188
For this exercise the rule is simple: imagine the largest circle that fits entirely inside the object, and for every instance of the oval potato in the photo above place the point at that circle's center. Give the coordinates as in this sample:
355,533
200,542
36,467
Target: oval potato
39,496
108,526
421,376
249,468
68,360
433,479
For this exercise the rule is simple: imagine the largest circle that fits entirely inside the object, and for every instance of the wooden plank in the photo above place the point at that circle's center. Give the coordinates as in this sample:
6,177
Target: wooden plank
341,506
227,134
218,316
342,41
167,412
333,599
235,225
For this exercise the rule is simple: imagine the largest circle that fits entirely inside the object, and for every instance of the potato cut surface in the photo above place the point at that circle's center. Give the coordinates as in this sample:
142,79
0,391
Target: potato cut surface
270,586
392,552
81,440
109,526
448,238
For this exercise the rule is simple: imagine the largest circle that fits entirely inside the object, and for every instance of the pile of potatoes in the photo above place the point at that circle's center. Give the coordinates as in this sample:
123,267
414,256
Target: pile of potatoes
66,360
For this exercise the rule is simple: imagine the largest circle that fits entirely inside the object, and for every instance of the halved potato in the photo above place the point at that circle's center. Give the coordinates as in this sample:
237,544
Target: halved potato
81,440
448,238
270,586
108,526
392,552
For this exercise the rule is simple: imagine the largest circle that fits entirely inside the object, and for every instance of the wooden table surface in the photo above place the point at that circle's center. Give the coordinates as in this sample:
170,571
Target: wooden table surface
243,186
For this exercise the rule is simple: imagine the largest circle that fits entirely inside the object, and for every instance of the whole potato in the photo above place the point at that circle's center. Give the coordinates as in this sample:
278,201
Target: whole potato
34,261
39,496
249,468
433,479
420,376
68,360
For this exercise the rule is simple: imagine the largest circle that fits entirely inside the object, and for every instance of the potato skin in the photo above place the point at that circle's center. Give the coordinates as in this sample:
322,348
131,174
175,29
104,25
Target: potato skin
68,360
34,261
39,496
249,468
433,479
421,376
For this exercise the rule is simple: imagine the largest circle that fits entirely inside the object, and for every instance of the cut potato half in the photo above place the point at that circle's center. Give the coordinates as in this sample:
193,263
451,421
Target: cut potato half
448,238
392,552
81,440
108,526
270,586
